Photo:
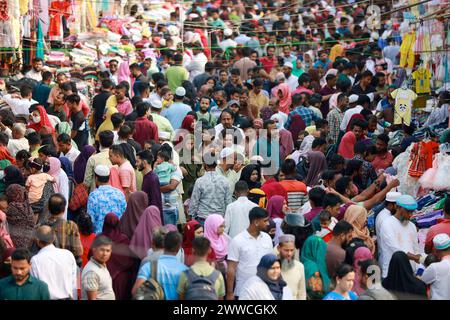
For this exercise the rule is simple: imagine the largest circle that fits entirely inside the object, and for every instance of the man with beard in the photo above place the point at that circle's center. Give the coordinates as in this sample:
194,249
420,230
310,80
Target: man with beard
150,181
20,285
36,72
291,80
342,235
397,233
292,270
384,158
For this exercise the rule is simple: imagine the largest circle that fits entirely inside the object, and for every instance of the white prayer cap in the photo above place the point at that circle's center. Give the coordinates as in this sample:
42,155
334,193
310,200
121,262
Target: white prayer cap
102,170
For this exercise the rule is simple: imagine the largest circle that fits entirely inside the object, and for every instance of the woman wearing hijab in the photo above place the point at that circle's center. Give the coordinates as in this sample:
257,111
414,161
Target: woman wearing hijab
317,165
187,127
193,229
66,166
315,75
284,98
142,238
61,184
215,232
121,265
297,125
13,175
3,165
401,280
316,274
137,203
277,208
20,216
39,119
251,174
357,217
361,254
268,283
80,163
190,166
107,123
4,233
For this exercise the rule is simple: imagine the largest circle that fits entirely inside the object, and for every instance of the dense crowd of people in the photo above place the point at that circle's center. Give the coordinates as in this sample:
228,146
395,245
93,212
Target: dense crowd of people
282,159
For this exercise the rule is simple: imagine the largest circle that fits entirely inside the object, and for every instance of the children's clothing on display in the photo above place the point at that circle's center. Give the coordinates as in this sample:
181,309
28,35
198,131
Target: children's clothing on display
407,50
403,104
422,77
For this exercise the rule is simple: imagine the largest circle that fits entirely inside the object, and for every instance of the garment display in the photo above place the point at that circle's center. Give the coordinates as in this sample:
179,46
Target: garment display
407,50
403,104
422,77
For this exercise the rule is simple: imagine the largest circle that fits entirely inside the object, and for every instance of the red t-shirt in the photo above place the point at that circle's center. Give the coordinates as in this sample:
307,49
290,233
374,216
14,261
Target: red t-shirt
443,226
268,63
382,162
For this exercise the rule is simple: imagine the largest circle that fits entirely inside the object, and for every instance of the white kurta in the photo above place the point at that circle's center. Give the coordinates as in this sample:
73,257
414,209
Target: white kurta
256,289
393,237
64,188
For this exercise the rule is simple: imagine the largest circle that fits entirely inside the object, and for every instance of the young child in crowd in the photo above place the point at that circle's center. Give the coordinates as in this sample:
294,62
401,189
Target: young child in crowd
327,223
167,97
163,168
36,181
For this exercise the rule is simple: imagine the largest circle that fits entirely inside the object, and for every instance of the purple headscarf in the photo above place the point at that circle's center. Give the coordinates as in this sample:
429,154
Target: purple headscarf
79,165
142,238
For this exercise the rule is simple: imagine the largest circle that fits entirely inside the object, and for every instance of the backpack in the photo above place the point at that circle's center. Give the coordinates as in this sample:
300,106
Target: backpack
150,289
302,166
200,287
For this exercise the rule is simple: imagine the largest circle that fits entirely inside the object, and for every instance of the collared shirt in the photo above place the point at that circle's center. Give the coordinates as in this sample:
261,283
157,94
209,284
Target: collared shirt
19,106
103,200
57,268
32,289
236,216
260,100
67,236
168,273
295,280
145,130
247,251
101,157
438,276
96,278
176,114
231,175
72,155
211,195
334,119
35,75
308,116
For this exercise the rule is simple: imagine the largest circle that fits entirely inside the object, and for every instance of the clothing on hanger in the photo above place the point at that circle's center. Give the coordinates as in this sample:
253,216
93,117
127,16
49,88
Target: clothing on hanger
404,99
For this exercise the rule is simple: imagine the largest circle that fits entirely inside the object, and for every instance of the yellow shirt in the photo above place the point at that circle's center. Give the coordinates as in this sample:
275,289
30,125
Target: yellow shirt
403,105
422,77
259,100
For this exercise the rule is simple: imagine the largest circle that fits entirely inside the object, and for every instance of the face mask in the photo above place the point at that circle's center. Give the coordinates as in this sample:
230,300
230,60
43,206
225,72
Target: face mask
36,119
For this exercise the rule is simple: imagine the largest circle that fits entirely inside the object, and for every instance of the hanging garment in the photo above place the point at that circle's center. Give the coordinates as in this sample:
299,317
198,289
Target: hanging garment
407,50
441,180
422,77
404,99
4,15
57,10
418,161
40,42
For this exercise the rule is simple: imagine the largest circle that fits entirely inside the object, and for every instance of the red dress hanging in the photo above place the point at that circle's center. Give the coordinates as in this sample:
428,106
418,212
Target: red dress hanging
57,10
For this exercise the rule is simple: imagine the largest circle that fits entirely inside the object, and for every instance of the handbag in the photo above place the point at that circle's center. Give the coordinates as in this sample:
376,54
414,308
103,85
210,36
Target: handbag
79,197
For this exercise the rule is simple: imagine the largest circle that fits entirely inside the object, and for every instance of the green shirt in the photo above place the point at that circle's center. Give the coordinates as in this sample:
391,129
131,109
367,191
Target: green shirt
175,76
202,268
32,289
208,117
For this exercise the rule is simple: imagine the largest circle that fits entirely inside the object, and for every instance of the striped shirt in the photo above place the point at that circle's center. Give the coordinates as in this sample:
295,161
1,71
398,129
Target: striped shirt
296,193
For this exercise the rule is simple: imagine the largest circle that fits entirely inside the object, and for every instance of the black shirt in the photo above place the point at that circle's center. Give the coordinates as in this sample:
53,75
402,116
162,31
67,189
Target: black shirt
99,104
359,91
79,125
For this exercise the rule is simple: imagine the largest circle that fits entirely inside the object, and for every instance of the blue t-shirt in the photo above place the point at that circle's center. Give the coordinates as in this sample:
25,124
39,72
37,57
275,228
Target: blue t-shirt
336,296
168,274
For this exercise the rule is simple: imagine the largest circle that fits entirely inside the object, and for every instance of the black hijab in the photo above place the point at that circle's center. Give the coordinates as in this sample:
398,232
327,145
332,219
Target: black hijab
13,175
275,286
401,280
247,173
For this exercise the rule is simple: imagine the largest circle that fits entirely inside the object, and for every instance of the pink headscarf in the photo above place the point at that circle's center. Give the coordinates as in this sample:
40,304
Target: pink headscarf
286,100
275,207
361,254
142,238
4,234
218,243
55,170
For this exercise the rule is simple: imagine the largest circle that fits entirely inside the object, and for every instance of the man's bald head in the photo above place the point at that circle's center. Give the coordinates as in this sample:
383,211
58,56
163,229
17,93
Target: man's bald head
45,235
